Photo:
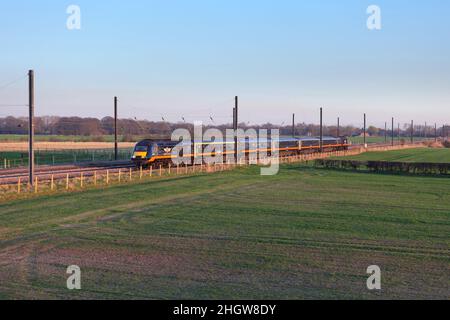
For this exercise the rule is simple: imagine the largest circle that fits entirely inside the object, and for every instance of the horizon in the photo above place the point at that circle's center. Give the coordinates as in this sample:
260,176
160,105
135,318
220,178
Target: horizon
190,59
403,125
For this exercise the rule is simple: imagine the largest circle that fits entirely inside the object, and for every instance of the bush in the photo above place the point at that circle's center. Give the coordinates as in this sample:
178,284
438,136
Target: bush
128,138
386,166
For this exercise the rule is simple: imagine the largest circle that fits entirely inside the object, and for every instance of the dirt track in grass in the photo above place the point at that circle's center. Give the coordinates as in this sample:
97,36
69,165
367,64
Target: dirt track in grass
303,234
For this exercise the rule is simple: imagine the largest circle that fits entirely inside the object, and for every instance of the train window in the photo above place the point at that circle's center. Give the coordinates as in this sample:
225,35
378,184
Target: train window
155,149
141,148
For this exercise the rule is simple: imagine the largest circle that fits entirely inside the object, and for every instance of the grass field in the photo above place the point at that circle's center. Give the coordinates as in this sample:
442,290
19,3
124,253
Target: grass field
380,139
51,157
360,140
56,138
409,155
72,138
302,234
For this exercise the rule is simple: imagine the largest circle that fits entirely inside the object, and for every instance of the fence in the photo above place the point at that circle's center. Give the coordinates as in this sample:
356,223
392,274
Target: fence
51,157
49,183
16,159
78,181
345,153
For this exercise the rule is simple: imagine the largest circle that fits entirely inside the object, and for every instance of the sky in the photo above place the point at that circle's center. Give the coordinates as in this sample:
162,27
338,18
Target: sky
178,58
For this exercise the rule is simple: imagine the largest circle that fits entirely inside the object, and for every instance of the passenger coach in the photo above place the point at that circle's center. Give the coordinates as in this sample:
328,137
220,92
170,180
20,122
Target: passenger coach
149,152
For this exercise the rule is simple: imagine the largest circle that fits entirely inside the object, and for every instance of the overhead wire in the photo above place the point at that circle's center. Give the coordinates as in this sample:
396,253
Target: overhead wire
10,83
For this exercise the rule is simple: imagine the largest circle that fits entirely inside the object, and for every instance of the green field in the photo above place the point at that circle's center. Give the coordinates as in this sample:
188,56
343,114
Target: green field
56,138
51,157
72,138
408,155
302,234
360,140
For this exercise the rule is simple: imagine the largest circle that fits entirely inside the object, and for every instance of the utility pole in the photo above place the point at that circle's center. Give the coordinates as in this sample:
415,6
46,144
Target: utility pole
321,130
412,131
338,127
31,127
398,131
385,132
234,117
364,132
435,132
116,145
425,132
293,125
236,113
392,132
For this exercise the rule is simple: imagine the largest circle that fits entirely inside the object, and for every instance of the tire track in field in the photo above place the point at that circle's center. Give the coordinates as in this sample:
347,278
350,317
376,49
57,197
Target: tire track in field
358,245
23,251
111,212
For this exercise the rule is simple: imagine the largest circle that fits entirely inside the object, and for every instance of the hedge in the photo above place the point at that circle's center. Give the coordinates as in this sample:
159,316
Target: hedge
386,166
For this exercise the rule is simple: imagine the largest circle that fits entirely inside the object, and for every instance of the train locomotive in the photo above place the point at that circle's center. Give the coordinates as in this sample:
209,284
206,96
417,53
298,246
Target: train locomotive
159,152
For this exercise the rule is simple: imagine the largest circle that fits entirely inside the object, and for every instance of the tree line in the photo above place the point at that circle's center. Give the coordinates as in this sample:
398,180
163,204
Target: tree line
52,125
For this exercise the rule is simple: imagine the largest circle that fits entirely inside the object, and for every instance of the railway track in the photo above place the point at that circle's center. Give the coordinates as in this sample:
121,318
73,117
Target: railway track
11,176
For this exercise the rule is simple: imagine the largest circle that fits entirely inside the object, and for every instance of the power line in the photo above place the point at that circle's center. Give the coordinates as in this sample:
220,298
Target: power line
13,105
12,82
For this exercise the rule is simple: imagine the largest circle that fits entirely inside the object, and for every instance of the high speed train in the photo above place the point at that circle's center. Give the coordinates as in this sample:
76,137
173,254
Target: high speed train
155,152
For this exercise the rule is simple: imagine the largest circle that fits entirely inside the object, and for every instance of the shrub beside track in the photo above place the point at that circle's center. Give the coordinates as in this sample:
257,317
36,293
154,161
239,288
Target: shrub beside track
386,166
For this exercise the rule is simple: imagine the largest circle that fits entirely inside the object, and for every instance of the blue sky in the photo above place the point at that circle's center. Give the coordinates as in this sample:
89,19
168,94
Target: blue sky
190,58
